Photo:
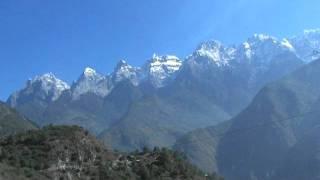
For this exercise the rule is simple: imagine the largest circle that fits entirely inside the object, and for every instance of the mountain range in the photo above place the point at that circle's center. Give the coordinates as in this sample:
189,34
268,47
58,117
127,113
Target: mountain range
157,103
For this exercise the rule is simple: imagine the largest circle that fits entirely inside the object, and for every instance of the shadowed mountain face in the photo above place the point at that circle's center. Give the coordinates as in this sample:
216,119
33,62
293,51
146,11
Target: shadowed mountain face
92,111
200,146
11,122
158,120
302,161
273,113
263,141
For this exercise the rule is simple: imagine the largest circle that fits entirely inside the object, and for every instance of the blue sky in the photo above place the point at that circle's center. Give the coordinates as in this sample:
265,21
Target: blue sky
65,36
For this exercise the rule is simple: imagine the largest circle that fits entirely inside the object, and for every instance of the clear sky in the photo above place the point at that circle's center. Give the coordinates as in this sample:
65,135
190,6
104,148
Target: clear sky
65,36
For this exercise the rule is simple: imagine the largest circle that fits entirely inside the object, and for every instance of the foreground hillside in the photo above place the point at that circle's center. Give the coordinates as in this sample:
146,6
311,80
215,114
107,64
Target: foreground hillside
64,152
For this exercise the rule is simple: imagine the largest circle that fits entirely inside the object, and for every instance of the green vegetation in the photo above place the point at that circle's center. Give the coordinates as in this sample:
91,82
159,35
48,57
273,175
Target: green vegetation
58,152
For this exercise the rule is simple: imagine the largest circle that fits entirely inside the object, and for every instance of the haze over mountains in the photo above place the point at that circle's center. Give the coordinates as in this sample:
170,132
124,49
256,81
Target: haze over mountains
155,104
275,137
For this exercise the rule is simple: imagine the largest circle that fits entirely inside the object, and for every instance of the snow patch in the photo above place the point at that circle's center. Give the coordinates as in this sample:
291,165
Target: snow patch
161,69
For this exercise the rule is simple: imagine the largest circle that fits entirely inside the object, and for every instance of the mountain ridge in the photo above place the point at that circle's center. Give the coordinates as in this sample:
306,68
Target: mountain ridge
221,80
215,50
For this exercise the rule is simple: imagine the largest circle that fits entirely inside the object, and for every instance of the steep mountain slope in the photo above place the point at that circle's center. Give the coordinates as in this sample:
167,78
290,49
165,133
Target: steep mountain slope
272,118
12,122
157,120
63,152
302,161
255,144
200,146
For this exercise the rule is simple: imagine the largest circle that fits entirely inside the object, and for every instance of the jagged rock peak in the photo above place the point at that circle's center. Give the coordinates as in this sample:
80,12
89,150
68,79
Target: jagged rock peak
90,82
46,86
124,71
89,72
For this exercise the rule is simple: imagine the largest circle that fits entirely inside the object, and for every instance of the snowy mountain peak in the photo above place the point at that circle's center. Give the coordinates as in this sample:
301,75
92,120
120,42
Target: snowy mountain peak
258,49
161,69
45,77
166,62
307,45
262,37
90,82
122,67
209,45
213,52
285,43
209,48
89,72
124,71
263,48
45,87
164,58
263,41
308,32
122,63
49,82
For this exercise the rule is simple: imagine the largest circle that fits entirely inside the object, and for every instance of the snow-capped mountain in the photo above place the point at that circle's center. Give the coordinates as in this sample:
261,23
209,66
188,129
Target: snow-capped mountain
51,85
261,49
162,69
91,82
258,50
124,71
46,87
307,46
252,59
212,52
